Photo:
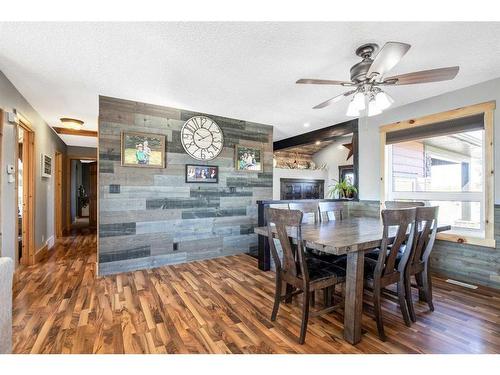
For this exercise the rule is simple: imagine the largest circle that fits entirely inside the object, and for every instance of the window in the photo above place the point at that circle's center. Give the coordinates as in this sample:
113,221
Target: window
444,163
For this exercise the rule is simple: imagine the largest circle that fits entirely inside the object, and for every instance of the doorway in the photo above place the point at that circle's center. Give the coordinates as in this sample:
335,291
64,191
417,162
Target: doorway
25,193
82,203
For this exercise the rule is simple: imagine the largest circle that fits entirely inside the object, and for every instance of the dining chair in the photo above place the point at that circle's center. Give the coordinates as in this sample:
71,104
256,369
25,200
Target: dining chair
391,205
329,211
302,273
389,266
418,264
309,209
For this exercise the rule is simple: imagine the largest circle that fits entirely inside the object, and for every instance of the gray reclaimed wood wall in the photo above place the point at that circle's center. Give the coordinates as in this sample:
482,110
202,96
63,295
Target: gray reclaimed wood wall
468,263
150,217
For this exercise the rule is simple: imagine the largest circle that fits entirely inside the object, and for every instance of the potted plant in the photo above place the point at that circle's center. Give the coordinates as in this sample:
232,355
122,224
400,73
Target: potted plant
343,188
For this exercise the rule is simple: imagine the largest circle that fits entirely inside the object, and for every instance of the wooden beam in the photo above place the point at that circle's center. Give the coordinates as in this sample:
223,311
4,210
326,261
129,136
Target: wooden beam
82,133
318,135
439,117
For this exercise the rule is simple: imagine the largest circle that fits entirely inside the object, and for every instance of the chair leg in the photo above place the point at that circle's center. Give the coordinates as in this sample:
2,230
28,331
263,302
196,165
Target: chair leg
305,315
277,297
427,287
378,312
313,298
327,296
420,283
409,299
402,302
289,290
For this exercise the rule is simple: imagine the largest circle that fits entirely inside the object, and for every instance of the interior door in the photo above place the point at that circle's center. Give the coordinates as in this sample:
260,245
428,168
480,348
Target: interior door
93,194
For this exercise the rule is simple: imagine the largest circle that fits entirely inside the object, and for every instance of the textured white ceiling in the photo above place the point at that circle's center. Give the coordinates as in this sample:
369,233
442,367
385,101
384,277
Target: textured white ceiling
240,70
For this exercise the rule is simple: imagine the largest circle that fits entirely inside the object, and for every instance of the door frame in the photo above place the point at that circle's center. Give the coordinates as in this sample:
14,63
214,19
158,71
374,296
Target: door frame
28,217
58,195
68,186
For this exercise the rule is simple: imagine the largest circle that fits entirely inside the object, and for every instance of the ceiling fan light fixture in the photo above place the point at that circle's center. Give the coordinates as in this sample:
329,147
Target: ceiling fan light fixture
373,108
352,109
383,100
72,123
359,101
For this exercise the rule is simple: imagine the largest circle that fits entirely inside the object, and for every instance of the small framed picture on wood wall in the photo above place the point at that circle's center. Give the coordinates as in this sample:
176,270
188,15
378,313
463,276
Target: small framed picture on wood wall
205,174
248,159
144,150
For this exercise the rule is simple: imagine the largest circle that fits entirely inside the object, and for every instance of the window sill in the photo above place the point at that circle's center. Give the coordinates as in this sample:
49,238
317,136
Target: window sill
486,242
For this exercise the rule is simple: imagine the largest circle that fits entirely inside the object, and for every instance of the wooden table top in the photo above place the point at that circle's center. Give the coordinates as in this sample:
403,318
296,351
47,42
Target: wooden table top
342,236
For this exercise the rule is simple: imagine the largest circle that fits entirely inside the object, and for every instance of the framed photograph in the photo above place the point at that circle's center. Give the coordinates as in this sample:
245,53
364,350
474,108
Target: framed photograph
205,174
248,159
46,166
143,150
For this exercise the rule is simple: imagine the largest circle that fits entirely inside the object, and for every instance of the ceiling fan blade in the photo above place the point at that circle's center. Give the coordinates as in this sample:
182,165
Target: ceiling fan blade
424,76
334,99
387,58
322,82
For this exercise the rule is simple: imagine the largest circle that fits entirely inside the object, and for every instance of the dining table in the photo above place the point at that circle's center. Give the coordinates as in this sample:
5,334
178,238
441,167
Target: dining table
352,237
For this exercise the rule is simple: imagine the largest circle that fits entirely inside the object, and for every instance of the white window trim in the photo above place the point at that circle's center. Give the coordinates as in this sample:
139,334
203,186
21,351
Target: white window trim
486,197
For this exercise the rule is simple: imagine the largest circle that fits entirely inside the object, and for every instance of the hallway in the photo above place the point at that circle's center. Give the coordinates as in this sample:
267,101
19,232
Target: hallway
216,306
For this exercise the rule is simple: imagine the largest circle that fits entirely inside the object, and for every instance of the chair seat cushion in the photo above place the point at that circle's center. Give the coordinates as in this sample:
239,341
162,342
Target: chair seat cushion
319,270
375,253
330,258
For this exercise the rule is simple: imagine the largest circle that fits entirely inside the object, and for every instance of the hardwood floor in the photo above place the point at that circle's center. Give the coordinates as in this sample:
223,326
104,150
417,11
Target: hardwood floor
218,306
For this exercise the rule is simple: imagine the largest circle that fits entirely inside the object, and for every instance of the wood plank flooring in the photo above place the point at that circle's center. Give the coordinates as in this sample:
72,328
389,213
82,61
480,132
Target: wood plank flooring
218,306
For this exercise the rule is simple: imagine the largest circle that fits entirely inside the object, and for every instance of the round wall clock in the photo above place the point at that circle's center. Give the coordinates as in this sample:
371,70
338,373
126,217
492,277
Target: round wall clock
202,138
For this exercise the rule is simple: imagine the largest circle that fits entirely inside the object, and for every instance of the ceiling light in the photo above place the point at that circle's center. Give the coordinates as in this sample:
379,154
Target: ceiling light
373,108
72,123
306,125
352,109
359,101
383,100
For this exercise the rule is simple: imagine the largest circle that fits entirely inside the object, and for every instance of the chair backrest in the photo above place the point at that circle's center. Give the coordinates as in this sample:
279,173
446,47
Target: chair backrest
331,211
402,222
309,209
293,263
426,222
391,205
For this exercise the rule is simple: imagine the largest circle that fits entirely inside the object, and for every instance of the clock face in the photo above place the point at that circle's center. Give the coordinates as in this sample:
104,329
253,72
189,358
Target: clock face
202,138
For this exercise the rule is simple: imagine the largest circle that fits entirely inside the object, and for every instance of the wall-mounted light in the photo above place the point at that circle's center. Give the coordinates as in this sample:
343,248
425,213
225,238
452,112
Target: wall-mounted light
72,123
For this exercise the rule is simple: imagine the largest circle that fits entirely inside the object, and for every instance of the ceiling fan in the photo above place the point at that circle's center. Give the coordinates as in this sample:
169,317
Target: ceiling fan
369,75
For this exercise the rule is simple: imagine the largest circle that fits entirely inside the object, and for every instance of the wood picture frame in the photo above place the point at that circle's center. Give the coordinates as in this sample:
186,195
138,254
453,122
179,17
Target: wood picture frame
248,158
201,174
133,150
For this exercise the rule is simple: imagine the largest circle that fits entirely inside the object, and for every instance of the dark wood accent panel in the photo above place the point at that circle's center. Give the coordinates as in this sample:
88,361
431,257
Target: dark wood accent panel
83,133
324,134
218,306
295,189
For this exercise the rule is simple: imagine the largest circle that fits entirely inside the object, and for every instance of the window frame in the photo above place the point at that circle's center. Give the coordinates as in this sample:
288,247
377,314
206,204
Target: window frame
487,109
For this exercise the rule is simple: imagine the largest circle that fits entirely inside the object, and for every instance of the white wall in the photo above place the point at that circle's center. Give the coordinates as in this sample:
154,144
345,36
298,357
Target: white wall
369,142
333,156
46,141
